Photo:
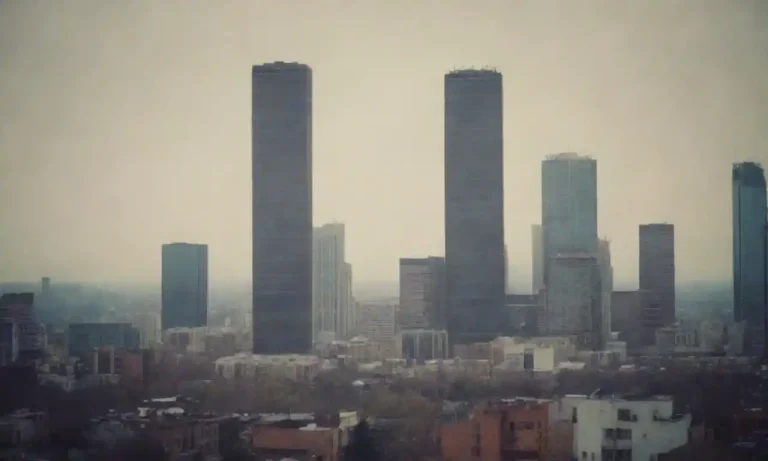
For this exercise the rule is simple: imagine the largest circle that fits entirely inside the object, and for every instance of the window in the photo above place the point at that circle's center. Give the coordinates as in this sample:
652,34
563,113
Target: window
624,434
574,416
609,433
623,414
583,455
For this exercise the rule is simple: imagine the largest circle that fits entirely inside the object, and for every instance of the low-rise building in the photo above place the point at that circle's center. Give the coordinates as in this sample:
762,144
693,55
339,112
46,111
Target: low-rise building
303,437
300,368
628,428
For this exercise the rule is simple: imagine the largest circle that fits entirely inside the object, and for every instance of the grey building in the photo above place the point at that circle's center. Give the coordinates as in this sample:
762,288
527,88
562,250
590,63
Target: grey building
538,258
749,254
474,205
84,337
422,293
657,267
282,207
331,294
184,285
568,206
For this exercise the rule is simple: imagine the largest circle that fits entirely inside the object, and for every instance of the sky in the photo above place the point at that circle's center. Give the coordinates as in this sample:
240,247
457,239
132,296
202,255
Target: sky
126,125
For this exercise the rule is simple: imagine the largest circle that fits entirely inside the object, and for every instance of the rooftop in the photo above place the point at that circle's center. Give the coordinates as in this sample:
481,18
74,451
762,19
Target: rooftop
473,73
277,66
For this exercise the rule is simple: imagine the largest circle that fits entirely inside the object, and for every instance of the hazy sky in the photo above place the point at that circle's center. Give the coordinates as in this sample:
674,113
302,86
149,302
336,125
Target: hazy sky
126,124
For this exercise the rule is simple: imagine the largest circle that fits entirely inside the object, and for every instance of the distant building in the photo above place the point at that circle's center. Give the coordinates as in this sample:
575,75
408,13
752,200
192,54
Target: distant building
538,259
330,290
635,315
184,285
19,308
84,338
421,345
575,300
45,288
749,255
657,266
422,293
568,207
300,368
474,205
9,342
281,132
606,284
524,312
377,322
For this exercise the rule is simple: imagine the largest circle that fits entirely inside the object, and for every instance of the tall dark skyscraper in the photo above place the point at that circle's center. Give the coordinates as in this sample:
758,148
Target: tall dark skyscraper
282,208
184,285
749,254
657,267
474,205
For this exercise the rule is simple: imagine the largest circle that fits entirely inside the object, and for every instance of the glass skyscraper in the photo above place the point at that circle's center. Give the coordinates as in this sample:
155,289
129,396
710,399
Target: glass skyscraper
184,285
749,254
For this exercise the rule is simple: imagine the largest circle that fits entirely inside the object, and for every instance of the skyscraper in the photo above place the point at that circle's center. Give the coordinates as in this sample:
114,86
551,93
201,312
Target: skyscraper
657,267
282,207
606,284
422,293
749,254
574,301
474,205
330,290
184,285
569,206
538,259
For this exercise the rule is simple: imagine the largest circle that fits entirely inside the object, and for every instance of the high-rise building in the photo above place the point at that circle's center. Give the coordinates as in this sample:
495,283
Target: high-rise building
474,205
351,305
19,309
606,284
572,270
574,301
422,293
538,259
569,206
184,285
330,283
749,255
85,337
282,208
657,267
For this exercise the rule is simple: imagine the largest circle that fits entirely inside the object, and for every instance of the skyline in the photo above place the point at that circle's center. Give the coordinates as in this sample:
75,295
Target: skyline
147,164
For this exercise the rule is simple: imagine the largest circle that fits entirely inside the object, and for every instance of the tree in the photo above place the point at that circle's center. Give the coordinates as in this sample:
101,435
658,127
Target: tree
137,448
361,446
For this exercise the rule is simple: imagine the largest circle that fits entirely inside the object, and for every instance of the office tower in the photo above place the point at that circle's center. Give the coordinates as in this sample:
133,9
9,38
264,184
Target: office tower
657,267
351,305
85,337
19,309
574,299
422,293
606,284
570,248
184,285
749,255
569,206
635,315
538,259
282,208
474,205
330,284
45,287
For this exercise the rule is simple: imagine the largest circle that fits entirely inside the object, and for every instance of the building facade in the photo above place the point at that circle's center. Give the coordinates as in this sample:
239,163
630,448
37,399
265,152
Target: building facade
331,295
657,266
422,293
85,337
606,284
575,300
19,308
282,207
750,254
568,206
184,285
474,205
538,259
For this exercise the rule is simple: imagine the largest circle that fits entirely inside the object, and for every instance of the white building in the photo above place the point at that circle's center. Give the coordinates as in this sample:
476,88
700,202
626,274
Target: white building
244,365
331,277
378,323
627,429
